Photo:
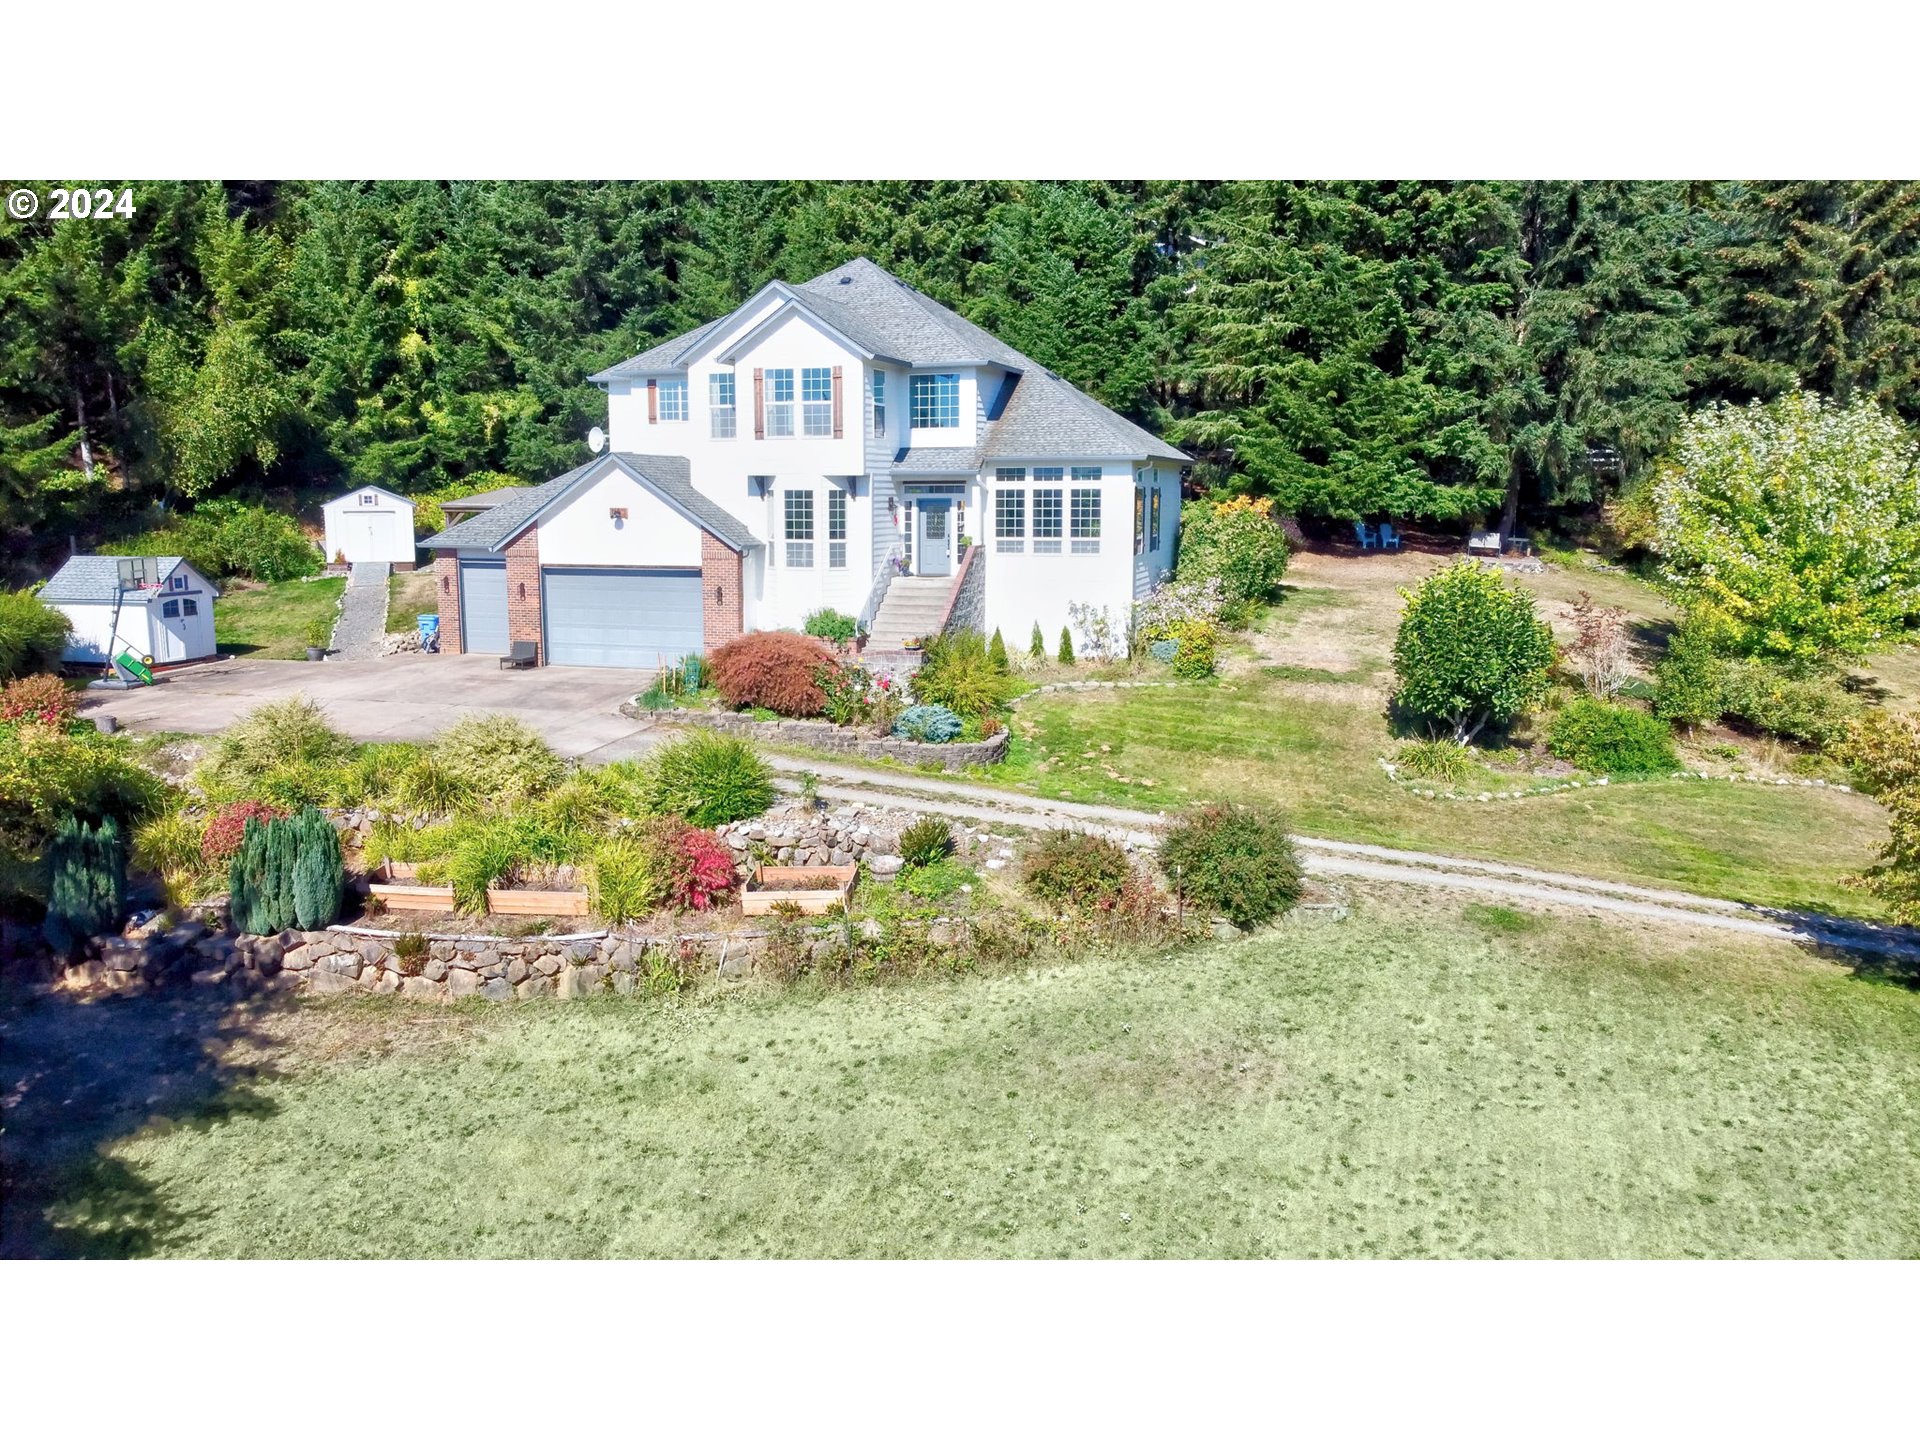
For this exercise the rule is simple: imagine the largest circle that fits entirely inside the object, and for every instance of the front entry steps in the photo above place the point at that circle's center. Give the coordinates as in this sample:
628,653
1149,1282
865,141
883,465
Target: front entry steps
913,609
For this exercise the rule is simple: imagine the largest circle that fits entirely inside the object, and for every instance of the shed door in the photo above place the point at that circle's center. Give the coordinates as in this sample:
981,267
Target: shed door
483,606
369,534
627,619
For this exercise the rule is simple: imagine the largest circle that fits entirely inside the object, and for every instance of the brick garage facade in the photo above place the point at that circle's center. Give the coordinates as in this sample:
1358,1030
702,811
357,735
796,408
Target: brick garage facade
447,582
720,604
523,592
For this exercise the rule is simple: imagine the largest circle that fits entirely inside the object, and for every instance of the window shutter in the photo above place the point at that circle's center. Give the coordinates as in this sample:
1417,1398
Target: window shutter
836,402
653,402
759,404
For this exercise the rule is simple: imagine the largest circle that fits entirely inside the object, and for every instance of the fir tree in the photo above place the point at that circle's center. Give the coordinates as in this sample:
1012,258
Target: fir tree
86,882
1037,643
318,872
997,653
1066,646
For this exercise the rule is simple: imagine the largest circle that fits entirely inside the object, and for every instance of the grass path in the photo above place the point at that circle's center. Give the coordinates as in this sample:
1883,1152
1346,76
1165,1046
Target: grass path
1426,1080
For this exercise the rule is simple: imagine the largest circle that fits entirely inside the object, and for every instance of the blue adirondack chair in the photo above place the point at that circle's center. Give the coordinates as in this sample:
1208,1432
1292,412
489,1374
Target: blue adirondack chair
1389,537
1365,534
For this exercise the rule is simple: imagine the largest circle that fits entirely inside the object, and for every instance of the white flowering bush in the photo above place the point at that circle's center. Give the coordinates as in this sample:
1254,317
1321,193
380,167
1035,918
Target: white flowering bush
1791,530
1175,604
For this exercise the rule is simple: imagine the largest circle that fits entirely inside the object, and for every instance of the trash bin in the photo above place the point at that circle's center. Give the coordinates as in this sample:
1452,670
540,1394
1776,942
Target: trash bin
429,631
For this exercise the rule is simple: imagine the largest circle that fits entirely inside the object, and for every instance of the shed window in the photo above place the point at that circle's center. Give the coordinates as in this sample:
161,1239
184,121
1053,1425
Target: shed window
367,497
170,609
189,606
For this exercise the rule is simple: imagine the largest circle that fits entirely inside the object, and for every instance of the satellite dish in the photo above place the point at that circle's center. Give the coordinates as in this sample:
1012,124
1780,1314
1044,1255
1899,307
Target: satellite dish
596,439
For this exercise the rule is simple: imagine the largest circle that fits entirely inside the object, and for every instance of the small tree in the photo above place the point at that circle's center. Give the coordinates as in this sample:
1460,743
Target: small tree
1470,652
997,653
1600,648
1791,530
86,882
1037,643
319,871
1884,751
1066,646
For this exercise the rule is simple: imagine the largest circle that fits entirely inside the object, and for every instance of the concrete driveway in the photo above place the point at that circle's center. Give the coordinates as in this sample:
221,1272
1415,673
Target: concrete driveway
401,697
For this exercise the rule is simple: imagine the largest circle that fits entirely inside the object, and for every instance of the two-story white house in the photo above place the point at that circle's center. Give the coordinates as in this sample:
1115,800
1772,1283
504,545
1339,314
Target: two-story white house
844,443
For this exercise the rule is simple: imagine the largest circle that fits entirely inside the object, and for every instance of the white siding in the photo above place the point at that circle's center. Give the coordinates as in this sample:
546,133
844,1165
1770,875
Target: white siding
652,534
379,530
1024,587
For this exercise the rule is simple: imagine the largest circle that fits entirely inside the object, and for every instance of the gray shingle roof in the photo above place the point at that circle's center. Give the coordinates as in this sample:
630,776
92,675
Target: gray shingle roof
939,460
94,579
1045,415
666,474
485,500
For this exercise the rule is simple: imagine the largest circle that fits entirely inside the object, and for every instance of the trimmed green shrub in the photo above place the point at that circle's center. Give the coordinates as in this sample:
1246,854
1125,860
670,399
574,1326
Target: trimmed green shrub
997,653
38,700
1037,643
32,635
1075,869
926,840
1445,760
319,870
957,671
1234,860
1612,739
628,878
1470,651
934,724
86,882
498,760
1236,542
1065,653
708,779
831,625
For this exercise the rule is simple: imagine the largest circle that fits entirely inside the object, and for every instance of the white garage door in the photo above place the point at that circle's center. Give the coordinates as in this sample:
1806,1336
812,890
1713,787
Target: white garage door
627,619
483,607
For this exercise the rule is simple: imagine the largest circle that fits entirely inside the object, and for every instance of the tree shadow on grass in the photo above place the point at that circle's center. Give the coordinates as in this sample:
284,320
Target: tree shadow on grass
77,1075
1884,954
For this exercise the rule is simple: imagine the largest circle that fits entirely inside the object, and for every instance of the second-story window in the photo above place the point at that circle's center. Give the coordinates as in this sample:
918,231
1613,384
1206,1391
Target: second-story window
816,400
800,529
837,529
933,402
879,402
673,400
780,406
720,406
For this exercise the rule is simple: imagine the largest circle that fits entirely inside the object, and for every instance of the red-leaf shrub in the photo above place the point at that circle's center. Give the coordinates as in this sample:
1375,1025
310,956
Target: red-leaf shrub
773,669
700,868
42,698
229,824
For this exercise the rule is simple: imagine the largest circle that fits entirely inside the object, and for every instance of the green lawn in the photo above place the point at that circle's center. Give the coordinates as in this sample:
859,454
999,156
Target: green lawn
1422,1080
411,594
270,622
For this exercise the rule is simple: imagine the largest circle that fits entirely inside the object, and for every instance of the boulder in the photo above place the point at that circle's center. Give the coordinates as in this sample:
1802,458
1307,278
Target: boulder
549,964
578,981
462,983
385,982
622,983
301,959
419,987
517,970
436,971
533,987
328,982
497,989
884,864
347,963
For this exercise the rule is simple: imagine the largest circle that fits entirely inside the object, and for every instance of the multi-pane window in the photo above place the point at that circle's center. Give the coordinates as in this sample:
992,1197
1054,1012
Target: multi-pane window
1139,519
1153,519
800,529
1010,513
189,606
1046,515
837,529
933,402
779,387
1084,512
367,497
879,402
673,399
720,406
170,609
816,400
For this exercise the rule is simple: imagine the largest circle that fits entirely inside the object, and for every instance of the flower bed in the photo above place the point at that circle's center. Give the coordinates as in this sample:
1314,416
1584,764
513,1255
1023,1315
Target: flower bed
824,735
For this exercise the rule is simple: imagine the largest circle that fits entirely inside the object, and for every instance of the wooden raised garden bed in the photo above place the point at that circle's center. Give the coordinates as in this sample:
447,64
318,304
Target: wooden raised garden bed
536,902
392,885
815,889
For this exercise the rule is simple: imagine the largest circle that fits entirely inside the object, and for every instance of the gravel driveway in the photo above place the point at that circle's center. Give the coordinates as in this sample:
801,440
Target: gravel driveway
401,697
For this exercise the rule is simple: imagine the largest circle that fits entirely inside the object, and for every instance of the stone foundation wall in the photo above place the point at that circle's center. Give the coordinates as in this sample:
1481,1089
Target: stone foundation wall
823,735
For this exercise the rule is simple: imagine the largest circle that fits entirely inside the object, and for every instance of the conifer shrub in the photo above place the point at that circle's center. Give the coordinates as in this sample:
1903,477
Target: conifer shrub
931,724
1233,860
1076,870
1612,739
38,700
1065,653
86,882
775,670
997,653
32,635
319,870
958,671
1037,643
926,840
708,779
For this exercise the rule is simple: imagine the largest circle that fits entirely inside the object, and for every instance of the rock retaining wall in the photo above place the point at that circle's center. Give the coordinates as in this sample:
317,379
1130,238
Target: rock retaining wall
847,835
824,735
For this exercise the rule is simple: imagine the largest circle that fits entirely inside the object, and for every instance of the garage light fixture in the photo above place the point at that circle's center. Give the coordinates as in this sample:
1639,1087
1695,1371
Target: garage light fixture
618,516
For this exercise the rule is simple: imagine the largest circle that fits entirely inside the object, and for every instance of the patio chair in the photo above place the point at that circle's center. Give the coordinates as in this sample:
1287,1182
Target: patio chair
1484,542
1364,533
520,655
1389,537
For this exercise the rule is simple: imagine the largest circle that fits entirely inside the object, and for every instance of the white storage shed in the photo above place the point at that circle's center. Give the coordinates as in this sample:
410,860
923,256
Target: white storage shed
370,524
154,607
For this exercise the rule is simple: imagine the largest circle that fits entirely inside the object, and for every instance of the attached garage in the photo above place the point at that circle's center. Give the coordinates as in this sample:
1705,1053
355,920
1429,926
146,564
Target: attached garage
483,607
625,619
